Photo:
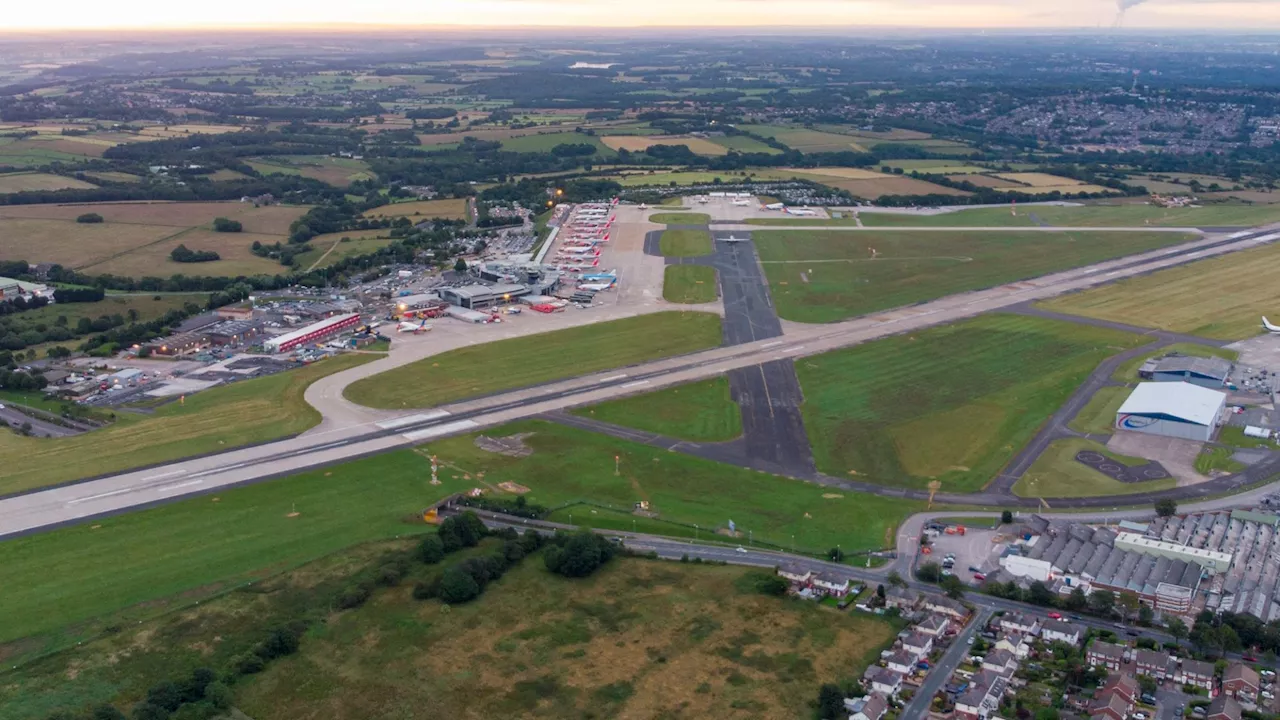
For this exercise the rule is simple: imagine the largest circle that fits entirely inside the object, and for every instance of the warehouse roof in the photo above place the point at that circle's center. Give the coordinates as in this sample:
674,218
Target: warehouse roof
1210,367
485,291
1178,401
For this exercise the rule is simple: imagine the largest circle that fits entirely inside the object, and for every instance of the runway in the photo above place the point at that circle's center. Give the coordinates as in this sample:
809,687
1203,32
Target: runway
125,491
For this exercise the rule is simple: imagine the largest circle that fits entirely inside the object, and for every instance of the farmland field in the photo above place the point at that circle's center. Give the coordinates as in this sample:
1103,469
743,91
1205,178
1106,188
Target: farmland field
331,248
890,185
637,143
549,140
1231,293
1035,179
699,412
24,182
804,140
531,360
689,284
744,144
449,209
336,171
136,238
937,167
1129,215
685,243
953,403
842,279
116,176
1057,474
218,419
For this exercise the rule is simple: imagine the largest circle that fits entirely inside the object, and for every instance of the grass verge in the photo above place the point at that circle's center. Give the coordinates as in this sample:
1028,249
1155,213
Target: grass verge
685,243
689,284
1098,416
701,412
534,359
680,218
1057,474
1217,459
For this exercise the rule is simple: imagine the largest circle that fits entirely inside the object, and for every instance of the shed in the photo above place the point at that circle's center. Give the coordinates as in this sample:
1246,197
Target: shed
1172,409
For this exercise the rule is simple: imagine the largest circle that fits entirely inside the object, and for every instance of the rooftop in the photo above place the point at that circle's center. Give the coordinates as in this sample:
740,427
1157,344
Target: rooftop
1178,401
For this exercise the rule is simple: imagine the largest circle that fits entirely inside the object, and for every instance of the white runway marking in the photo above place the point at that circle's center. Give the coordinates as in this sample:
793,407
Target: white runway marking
411,419
439,430
179,486
99,496
637,383
611,378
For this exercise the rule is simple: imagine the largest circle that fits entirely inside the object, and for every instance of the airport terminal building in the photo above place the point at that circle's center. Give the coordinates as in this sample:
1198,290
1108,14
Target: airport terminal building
1172,409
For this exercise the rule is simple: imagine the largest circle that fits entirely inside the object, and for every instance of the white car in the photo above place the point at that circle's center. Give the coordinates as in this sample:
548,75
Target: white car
740,549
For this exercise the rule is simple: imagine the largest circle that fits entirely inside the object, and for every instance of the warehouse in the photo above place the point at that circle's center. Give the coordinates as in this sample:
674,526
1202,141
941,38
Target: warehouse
1172,409
1209,372
474,297
311,333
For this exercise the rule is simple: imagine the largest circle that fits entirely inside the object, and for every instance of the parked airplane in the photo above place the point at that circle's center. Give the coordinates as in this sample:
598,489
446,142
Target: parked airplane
733,239
415,328
611,276
742,203
595,287
1266,324
643,206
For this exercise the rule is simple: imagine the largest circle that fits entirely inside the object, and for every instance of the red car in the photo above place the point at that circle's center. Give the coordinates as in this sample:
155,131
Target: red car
1055,615
979,577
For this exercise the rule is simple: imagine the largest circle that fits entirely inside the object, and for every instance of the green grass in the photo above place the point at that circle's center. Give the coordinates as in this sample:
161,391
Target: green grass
1132,215
1128,370
818,276
701,412
219,419
531,360
745,144
147,307
685,243
1232,293
1234,436
952,403
1098,416
1217,459
547,142
689,284
1057,474
680,218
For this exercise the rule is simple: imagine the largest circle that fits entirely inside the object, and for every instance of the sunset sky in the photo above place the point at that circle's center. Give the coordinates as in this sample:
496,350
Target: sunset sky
1188,14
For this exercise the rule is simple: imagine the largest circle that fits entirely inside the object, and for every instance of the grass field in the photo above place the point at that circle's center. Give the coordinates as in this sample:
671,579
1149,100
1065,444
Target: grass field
638,143
136,237
534,359
820,276
148,307
450,209
680,218
805,140
1098,416
936,167
1056,474
1232,294
952,403
117,176
1038,180
1129,215
1128,371
685,243
336,171
218,419
1217,460
549,140
744,144
23,182
699,412
689,284
332,248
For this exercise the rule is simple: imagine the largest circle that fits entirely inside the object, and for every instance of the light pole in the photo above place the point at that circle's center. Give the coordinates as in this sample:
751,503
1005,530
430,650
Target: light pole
750,537
695,532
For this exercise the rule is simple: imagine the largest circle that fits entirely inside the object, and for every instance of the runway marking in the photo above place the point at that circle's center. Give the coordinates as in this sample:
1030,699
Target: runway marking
775,343
611,378
439,430
411,419
179,486
99,496
797,348
637,383
171,473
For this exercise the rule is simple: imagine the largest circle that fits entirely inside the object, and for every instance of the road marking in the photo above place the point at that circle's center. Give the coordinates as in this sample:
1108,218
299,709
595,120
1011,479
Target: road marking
171,473
179,486
611,378
121,491
439,430
775,343
411,419
797,348
637,383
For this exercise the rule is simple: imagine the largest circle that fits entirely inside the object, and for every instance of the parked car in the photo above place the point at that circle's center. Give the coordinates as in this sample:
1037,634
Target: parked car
979,576
1055,615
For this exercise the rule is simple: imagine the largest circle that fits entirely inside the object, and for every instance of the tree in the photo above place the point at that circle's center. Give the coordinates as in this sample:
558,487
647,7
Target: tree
1128,601
1166,508
89,218
460,266
929,572
1040,594
1102,602
1146,615
107,712
458,586
880,591
895,579
1177,628
835,554
772,585
1006,517
1047,713
952,585
580,555
226,226
831,702
431,550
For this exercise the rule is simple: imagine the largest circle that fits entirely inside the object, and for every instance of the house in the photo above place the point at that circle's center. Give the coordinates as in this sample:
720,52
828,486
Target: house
1020,623
1105,654
902,661
945,606
918,643
934,626
902,600
1110,705
982,699
1197,673
1015,643
795,575
830,585
1122,684
1000,661
1154,664
887,682
1223,708
1061,631
1241,682
871,707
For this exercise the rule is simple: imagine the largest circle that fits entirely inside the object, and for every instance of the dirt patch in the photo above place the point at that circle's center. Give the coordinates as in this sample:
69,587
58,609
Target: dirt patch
511,487
832,496
511,445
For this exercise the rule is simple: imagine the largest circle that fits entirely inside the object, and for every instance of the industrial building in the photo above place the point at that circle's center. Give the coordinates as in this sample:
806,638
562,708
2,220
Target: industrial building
475,297
1172,409
11,289
1210,372
314,332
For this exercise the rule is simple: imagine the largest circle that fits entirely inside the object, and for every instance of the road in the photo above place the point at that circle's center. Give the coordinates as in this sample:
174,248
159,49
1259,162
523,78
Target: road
951,659
361,437
39,428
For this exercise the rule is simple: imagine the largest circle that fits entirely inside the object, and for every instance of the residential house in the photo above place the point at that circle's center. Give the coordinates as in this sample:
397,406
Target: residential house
902,662
1224,708
1241,682
934,626
982,699
887,683
1123,684
1115,699
830,585
1015,643
1061,631
1024,623
1197,673
918,643
943,605
903,600
796,576
1155,664
871,707
1108,655
1000,661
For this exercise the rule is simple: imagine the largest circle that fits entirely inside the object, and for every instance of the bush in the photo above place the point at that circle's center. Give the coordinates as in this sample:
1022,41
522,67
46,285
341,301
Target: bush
248,664
353,596
227,226
771,585
458,586
390,574
431,550
427,589
580,555
183,254
89,218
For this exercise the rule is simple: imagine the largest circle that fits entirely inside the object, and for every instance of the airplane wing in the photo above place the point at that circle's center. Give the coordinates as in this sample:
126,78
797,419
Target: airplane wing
1269,327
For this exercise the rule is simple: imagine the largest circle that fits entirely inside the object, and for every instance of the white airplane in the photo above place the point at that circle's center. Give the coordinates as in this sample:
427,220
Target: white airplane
579,251
595,287
414,328
611,276
733,239
643,206
742,203
1266,324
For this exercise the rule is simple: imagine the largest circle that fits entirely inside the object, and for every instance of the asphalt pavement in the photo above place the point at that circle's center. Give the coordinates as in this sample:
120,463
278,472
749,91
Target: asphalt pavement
951,659
39,428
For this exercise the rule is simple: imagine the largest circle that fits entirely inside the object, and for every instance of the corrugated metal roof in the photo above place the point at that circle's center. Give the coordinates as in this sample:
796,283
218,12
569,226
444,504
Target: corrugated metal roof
1211,367
1184,401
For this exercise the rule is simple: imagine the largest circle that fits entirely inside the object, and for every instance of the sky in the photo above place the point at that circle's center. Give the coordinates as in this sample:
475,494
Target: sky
283,14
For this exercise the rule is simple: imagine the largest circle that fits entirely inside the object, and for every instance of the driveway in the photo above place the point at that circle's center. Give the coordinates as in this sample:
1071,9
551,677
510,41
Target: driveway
1176,455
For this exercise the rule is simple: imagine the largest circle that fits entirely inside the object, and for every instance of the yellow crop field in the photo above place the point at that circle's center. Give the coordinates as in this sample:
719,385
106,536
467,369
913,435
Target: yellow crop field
839,172
24,182
1035,179
639,143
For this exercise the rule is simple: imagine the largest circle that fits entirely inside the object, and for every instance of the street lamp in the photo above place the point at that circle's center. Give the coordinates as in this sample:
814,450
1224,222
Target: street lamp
695,532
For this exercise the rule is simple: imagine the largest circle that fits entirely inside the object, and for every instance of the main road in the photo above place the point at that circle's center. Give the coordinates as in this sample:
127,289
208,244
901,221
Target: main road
116,493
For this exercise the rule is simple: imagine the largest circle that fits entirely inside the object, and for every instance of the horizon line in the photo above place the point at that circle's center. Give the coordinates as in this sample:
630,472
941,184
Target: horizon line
355,28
